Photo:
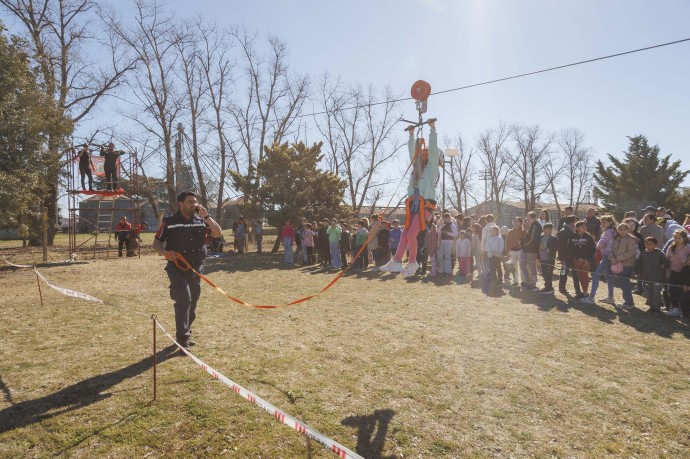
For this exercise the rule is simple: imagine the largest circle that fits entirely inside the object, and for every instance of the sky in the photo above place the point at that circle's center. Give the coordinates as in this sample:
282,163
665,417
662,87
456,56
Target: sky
456,43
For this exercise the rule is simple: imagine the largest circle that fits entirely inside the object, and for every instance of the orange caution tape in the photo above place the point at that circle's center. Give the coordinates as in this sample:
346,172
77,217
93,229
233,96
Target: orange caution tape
184,265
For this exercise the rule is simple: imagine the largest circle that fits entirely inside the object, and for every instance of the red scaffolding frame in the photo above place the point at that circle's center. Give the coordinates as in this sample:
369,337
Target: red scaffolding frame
75,195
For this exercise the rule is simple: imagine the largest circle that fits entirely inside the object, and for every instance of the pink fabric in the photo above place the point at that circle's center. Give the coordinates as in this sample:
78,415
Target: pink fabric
409,237
464,265
308,238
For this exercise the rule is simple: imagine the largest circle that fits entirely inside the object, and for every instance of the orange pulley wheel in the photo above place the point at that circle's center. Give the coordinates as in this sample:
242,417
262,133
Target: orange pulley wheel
421,90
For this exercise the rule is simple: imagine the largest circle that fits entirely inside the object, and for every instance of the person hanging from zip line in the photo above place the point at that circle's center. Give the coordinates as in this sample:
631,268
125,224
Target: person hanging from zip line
85,166
110,166
421,200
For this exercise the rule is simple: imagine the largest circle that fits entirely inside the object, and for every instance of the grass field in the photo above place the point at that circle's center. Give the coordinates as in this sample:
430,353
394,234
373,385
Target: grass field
389,368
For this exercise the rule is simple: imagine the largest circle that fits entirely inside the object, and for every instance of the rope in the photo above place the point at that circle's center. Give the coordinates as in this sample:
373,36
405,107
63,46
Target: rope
182,264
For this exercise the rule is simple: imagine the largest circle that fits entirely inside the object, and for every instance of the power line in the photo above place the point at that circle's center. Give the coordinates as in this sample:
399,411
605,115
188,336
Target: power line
498,80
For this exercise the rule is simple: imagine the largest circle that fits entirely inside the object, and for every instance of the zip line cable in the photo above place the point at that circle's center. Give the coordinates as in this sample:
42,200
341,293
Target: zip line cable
498,80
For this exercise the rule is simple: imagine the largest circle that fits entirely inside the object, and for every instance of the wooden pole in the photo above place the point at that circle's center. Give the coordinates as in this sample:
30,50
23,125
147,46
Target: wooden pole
44,224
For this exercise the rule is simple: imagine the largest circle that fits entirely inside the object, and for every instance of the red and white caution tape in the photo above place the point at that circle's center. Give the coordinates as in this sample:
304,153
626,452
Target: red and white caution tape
65,291
283,417
15,265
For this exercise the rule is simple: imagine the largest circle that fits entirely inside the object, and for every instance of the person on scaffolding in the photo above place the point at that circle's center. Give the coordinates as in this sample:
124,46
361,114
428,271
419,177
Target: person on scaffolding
421,200
85,166
110,166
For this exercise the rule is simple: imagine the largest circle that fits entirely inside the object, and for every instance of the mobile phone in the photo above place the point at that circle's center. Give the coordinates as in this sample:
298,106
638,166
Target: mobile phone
196,210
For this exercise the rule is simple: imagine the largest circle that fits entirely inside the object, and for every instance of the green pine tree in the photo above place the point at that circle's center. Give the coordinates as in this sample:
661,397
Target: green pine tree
291,186
641,178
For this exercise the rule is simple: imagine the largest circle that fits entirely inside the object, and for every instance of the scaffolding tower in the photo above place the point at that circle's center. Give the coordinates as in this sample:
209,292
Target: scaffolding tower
93,240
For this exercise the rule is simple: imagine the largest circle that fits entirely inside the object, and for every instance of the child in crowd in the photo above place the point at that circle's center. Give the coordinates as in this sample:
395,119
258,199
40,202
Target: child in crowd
651,270
548,246
463,250
309,243
685,291
431,248
477,248
288,236
344,243
447,232
583,249
361,235
494,254
394,236
334,231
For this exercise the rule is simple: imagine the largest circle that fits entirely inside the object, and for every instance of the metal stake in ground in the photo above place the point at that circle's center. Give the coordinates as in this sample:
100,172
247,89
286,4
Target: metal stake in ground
38,282
153,318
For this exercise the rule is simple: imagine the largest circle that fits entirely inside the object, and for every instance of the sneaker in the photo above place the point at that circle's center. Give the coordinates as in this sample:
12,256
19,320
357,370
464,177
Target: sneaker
531,288
515,284
410,269
579,296
546,291
587,300
674,312
564,292
607,300
392,267
627,306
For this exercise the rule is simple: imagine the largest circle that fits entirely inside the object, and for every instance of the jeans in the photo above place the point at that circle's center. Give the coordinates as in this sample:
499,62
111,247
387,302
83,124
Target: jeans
563,277
259,238
653,294
528,265
604,267
674,291
335,254
582,270
626,286
495,271
444,256
515,261
287,241
547,267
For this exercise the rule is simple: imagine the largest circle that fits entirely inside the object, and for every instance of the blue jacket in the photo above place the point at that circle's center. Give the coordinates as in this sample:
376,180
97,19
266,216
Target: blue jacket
427,183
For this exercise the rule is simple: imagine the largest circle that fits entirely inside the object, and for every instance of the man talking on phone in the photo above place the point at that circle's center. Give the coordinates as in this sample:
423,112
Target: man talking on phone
183,234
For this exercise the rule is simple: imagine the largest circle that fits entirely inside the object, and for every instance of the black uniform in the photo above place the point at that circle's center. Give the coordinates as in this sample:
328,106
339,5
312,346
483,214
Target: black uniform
186,237
85,168
110,168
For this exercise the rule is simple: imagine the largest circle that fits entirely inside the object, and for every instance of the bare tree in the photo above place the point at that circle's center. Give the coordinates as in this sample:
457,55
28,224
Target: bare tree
153,39
460,172
217,73
357,125
195,88
531,158
274,98
495,157
58,31
577,165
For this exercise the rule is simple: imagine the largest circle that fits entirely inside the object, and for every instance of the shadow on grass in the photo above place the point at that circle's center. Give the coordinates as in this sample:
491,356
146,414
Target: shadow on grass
76,396
371,432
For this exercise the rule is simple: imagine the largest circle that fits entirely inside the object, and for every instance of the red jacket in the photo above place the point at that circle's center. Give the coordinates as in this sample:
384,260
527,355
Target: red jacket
122,231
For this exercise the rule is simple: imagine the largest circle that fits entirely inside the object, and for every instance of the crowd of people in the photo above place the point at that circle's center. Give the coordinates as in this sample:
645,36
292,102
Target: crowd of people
648,256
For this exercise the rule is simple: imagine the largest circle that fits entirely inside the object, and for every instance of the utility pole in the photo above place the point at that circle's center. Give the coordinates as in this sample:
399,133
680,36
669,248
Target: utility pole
485,175
178,158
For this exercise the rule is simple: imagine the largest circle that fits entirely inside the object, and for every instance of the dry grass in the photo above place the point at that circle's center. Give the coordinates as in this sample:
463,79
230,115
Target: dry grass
387,367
